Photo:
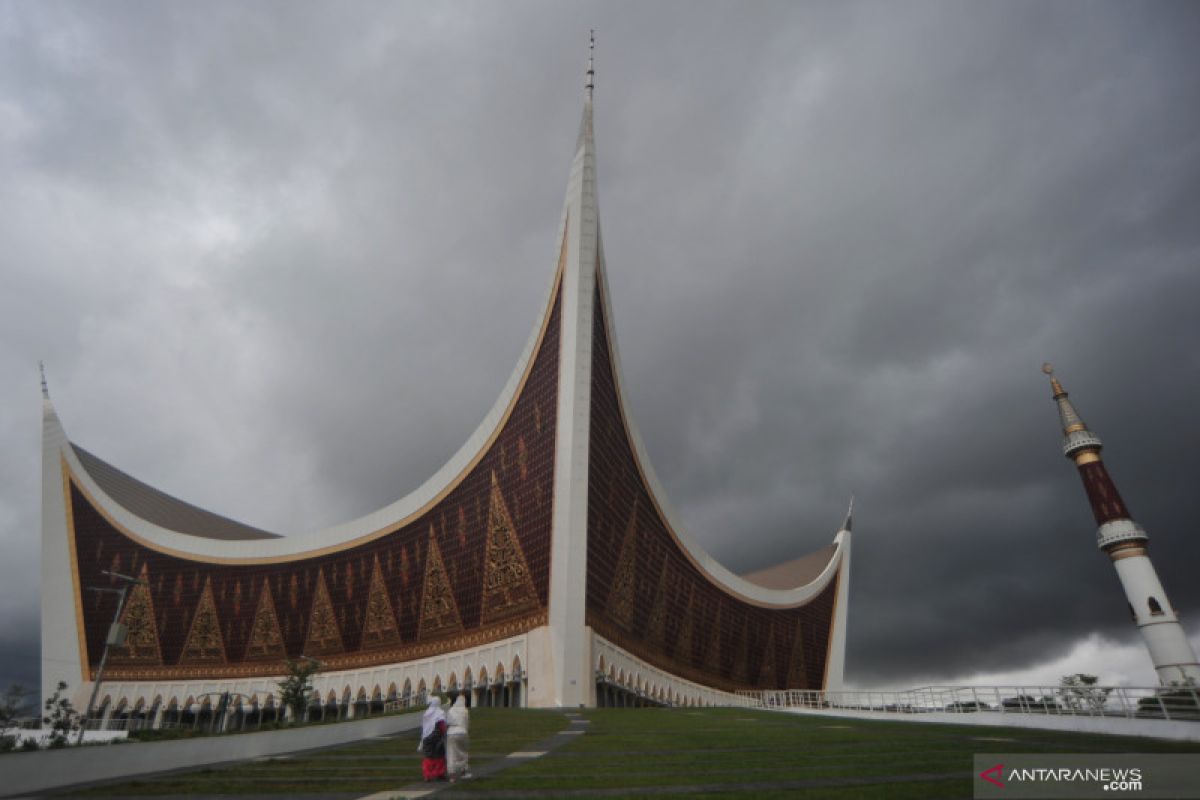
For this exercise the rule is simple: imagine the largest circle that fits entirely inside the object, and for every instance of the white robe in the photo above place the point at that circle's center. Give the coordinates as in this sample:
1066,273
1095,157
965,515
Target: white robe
457,722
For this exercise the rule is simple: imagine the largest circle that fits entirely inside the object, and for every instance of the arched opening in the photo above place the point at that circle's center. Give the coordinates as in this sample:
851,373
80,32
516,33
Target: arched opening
516,682
120,716
99,714
499,688
483,692
270,711
205,716
171,714
188,713
138,715
252,714
376,706
392,700
1155,609
467,686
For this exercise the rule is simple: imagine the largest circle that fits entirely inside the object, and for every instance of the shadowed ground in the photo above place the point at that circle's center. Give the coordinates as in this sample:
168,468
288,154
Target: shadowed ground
651,752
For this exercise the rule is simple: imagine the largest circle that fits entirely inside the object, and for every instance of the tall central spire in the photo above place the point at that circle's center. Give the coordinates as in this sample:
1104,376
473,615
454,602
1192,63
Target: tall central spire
582,263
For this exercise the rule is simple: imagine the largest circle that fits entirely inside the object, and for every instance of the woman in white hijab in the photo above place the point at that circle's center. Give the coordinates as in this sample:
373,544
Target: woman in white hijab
433,741
458,720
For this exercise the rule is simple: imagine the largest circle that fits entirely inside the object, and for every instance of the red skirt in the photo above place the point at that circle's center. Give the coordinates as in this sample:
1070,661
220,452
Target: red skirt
433,768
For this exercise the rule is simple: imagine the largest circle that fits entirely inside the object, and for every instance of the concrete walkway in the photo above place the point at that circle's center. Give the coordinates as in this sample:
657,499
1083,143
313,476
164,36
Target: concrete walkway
38,774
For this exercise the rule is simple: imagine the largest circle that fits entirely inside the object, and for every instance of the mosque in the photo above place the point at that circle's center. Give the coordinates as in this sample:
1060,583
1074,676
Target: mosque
541,566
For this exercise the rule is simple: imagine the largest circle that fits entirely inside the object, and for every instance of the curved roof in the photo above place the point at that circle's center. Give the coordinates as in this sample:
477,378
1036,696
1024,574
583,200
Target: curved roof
179,528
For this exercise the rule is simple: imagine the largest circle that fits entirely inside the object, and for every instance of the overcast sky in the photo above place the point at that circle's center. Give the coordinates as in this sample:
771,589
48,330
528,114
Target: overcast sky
280,257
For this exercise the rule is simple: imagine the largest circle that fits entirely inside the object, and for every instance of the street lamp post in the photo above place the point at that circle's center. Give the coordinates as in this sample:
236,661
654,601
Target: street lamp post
116,636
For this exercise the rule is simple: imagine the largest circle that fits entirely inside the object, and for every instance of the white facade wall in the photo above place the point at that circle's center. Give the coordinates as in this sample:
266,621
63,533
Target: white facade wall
496,660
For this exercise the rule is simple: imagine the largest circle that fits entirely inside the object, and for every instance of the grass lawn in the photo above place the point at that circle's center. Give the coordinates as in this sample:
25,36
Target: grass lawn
666,752
738,753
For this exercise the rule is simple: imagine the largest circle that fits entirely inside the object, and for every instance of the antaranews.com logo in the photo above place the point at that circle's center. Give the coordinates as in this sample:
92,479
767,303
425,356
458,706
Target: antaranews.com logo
1054,775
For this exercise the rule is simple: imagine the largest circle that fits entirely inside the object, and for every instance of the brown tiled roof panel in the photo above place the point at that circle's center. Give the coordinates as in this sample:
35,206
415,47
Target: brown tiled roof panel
646,596
161,508
794,573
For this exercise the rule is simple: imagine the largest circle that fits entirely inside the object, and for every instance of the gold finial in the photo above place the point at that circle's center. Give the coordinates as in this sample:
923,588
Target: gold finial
1048,368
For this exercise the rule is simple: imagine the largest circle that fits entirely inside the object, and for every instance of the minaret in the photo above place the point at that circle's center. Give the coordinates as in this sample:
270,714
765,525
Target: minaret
1124,541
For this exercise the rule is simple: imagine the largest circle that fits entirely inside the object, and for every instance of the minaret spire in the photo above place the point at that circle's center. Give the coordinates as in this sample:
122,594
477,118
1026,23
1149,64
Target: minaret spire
847,525
1124,541
45,388
591,70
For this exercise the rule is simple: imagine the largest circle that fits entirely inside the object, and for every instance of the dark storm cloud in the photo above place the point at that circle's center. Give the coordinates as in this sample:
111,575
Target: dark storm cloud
280,260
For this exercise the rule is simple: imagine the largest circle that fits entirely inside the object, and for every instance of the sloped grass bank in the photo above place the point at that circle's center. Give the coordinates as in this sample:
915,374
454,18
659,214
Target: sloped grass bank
734,752
662,753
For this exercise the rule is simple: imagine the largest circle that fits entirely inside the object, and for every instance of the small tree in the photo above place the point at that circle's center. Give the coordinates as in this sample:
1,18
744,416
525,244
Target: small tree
294,690
61,716
1079,692
12,704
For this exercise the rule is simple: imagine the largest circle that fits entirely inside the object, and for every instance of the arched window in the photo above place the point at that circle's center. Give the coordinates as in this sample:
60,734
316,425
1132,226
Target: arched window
1155,608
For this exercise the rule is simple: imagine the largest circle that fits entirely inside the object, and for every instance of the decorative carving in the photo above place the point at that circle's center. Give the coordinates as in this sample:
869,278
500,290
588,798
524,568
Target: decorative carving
462,528
266,640
508,589
141,639
656,627
323,636
439,611
621,596
379,629
237,598
204,644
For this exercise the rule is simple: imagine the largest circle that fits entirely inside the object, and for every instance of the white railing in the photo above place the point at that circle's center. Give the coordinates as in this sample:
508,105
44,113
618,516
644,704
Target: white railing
1173,703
